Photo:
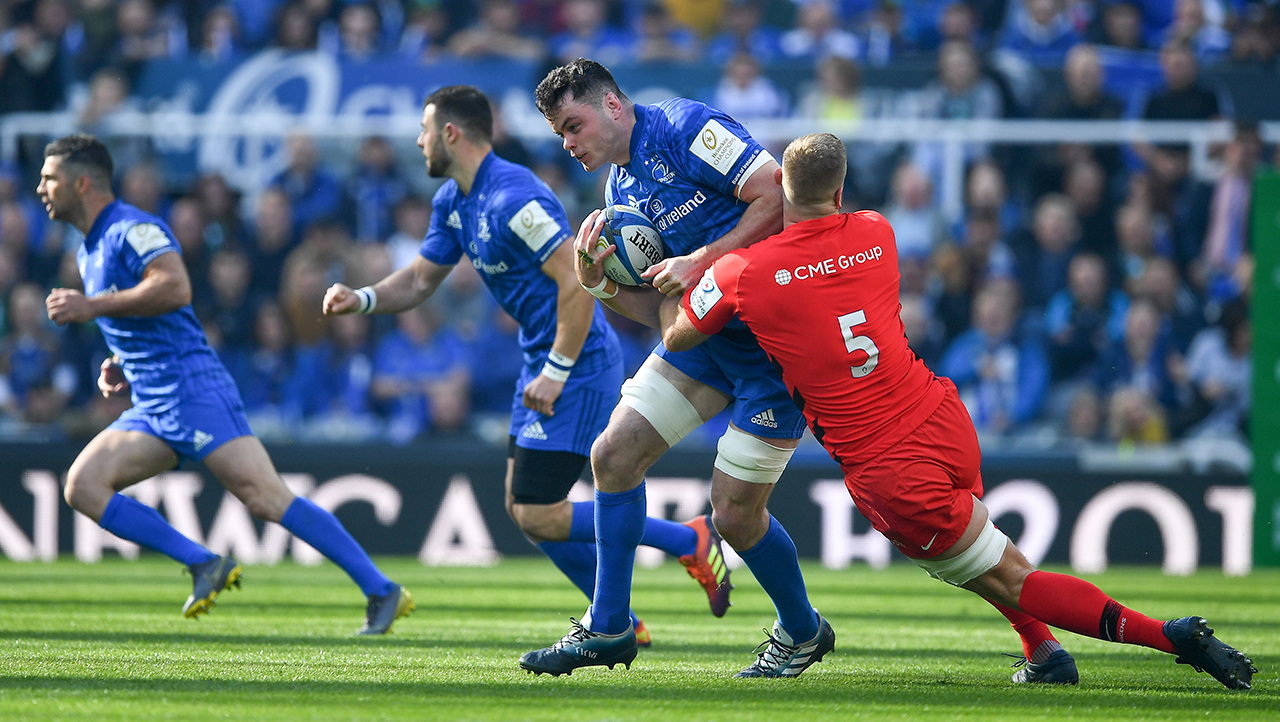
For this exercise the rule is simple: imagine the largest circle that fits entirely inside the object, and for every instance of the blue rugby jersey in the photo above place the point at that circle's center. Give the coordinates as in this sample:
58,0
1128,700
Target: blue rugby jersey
508,226
166,358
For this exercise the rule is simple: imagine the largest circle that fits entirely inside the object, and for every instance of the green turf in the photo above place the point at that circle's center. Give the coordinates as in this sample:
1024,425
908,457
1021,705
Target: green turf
108,641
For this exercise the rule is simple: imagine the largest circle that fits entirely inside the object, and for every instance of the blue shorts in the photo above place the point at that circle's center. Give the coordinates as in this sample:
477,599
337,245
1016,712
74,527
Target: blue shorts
582,411
734,363
193,428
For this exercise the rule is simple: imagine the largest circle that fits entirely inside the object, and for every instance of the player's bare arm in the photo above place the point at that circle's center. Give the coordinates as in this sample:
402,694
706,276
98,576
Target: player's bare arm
164,287
575,309
638,303
111,380
401,291
763,218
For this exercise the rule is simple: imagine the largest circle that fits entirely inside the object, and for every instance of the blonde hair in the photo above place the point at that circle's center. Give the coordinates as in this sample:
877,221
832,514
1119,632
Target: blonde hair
813,168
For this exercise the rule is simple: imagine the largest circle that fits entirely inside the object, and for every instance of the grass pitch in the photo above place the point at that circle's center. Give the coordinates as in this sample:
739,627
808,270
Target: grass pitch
108,642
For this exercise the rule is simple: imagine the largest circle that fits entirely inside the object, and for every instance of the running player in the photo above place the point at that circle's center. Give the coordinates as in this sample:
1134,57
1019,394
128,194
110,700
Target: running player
185,404
822,297
513,229
709,188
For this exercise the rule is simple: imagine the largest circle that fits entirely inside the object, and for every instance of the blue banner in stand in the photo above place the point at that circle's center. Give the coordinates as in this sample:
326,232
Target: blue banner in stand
304,87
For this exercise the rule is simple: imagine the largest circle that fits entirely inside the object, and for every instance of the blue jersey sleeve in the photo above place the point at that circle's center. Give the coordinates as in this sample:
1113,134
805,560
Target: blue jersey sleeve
143,243
714,149
443,242
537,227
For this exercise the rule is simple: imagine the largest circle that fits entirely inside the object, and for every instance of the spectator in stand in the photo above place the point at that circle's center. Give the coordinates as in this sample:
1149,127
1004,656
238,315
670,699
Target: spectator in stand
219,204
744,33
108,104
1142,359
745,93
588,35
359,33
1220,370
262,370
702,16
921,23
33,56
1083,320
412,220
1183,96
985,190
496,362
314,192
271,239
35,378
374,189
1001,375
837,95
918,226
661,39
1083,98
186,220
1227,238
1083,423
960,92
960,21
985,251
1181,310
1200,24
1044,251
818,35
1121,26
1256,37
1040,31
923,330
301,288
331,386
143,186
463,302
1181,203
505,145
230,305
10,275
952,295
37,257
426,31
220,35
421,377
1085,183
497,34
295,30
144,36
1134,417
1135,243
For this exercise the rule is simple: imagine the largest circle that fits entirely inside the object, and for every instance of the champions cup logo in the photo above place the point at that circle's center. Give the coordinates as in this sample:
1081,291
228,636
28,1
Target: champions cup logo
526,219
709,139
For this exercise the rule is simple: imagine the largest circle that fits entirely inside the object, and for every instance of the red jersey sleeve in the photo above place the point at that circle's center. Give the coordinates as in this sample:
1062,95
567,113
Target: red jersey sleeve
714,301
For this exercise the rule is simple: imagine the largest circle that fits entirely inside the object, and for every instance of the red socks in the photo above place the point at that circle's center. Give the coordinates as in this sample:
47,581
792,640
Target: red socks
1078,606
1037,641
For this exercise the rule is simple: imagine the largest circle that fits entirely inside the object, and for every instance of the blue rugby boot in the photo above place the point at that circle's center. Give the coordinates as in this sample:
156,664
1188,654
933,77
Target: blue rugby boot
1197,647
385,609
1058,668
209,579
780,656
581,647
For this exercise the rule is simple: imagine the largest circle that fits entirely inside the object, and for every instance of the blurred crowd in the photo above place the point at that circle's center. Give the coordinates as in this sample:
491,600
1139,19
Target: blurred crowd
1092,293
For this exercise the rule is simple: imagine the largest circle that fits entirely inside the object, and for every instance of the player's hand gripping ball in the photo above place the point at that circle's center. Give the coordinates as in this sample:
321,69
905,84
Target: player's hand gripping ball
638,242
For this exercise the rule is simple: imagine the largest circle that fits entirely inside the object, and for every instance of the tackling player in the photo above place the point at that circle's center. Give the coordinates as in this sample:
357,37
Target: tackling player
822,297
513,229
185,404
708,187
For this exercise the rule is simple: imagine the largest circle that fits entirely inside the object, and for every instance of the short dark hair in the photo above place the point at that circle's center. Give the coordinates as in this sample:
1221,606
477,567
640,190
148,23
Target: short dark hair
86,153
813,168
586,81
465,107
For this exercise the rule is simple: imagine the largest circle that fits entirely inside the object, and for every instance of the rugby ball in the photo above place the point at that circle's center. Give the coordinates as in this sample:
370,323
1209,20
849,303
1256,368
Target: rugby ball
638,242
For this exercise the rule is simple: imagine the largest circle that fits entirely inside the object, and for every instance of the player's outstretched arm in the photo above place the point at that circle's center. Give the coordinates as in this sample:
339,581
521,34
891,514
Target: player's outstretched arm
763,218
678,332
638,303
164,287
401,291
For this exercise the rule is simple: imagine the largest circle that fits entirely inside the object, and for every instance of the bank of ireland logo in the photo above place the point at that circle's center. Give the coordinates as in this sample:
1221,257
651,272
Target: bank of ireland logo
783,277
662,173
656,207
709,139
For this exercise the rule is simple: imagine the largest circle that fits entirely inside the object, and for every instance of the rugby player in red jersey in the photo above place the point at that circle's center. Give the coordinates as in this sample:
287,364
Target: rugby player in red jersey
822,299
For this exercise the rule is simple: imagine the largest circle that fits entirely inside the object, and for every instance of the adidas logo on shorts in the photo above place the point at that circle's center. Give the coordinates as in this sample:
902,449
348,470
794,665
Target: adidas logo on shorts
201,439
534,431
765,418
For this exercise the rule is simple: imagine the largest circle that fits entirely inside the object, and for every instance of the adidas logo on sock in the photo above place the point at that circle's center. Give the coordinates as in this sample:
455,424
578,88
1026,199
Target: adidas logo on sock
765,418
534,431
201,439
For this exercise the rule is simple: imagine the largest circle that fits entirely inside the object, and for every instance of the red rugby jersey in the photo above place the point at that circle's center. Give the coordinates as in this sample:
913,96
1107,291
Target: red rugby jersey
822,299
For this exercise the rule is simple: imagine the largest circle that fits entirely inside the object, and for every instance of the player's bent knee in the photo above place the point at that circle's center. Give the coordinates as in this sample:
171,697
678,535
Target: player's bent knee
750,458
667,410
981,557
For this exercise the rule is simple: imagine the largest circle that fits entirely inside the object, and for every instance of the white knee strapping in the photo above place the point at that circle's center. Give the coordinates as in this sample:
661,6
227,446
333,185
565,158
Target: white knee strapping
985,553
749,458
661,404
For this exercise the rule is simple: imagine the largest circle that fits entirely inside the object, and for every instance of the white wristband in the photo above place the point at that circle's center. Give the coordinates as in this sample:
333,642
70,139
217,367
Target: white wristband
555,374
560,360
601,290
368,299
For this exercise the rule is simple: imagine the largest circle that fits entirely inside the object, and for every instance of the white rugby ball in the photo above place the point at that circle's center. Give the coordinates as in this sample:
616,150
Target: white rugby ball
638,242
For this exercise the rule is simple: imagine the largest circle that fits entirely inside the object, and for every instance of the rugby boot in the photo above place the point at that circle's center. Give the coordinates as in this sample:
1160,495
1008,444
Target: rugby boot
385,609
643,638
1203,652
1058,668
581,647
706,564
781,656
209,579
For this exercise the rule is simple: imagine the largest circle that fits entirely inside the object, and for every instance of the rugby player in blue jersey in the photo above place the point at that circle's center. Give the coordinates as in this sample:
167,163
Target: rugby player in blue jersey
513,230
185,404
709,188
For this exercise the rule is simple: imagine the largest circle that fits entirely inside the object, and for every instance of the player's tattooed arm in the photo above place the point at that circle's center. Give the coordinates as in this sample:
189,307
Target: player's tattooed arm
401,291
763,218
164,287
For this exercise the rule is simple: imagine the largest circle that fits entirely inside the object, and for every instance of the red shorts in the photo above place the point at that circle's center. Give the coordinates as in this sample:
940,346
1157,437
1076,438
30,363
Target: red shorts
919,492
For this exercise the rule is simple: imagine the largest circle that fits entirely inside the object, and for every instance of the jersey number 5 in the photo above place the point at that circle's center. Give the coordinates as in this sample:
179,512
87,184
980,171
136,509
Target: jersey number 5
858,343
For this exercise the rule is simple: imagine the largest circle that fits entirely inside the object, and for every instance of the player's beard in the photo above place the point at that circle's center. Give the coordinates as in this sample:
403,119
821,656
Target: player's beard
438,160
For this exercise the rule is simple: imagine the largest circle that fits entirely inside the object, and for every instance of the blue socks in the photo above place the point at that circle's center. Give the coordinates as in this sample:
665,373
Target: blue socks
773,562
130,519
323,531
577,560
620,522
669,536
